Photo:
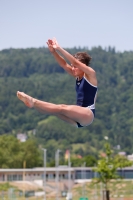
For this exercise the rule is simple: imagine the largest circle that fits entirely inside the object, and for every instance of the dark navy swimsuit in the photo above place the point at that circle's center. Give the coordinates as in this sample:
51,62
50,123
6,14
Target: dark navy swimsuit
86,95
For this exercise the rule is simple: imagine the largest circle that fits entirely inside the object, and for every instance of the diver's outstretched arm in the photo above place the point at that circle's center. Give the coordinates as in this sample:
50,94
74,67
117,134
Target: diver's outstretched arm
61,61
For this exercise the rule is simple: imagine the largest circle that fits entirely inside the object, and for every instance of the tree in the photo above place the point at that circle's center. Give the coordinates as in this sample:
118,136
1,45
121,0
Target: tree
14,153
90,160
107,168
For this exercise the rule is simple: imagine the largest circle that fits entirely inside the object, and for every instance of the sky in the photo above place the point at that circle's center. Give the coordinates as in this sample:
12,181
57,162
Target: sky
74,23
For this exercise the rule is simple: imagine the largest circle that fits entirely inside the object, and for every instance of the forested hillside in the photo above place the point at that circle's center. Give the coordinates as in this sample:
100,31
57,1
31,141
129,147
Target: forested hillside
35,72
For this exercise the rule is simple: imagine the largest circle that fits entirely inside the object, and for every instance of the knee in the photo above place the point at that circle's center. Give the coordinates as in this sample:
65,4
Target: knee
63,107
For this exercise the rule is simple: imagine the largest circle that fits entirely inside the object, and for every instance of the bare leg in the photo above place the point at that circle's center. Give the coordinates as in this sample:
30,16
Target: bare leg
75,113
67,120
30,103
60,116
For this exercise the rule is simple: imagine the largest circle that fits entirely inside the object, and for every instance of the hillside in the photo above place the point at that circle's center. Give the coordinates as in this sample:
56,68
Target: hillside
35,72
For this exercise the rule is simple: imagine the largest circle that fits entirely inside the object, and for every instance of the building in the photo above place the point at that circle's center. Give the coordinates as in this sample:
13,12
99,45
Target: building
130,157
64,172
22,137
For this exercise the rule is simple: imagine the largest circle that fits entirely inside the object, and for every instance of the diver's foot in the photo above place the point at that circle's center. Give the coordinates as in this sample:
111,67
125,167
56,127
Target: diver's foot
27,100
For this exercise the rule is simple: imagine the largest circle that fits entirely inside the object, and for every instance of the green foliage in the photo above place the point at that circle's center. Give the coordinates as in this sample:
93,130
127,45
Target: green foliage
35,72
89,161
107,166
5,186
14,153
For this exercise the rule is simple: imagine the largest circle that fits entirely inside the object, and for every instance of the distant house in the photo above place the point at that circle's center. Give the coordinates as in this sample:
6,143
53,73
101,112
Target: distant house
122,153
130,157
22,137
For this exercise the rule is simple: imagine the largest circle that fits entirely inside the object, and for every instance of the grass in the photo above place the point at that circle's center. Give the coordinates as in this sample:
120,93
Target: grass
78,146
118,189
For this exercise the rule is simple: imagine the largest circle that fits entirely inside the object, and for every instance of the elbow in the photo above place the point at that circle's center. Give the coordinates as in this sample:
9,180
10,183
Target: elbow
94,73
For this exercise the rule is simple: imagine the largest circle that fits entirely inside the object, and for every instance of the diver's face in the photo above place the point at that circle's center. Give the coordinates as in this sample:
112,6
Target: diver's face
76,71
